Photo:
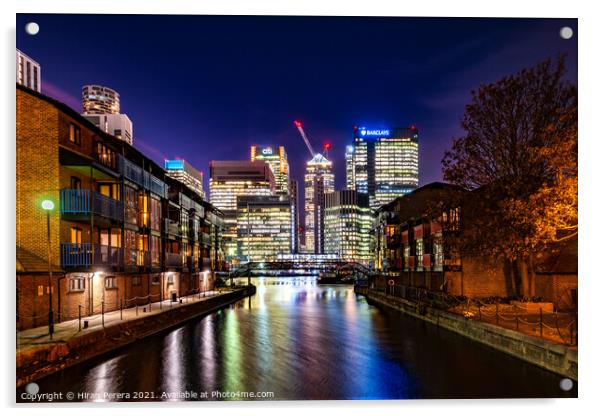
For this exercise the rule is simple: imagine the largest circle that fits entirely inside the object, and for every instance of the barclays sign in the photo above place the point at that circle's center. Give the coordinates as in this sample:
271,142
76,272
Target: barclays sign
374,133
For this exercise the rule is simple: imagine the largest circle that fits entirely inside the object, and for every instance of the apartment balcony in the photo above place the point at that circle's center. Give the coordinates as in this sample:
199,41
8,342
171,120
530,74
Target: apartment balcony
85,255
205,239
173,260
79,204
172,228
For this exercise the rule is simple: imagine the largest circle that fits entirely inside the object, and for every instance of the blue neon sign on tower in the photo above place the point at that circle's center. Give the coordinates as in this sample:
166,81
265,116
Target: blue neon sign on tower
364,132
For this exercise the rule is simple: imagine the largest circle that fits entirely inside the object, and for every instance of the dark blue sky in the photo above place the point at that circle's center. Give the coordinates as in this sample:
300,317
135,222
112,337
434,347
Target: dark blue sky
207,87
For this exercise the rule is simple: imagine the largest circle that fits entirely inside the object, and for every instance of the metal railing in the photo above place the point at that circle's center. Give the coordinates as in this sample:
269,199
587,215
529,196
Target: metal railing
85,201
87,254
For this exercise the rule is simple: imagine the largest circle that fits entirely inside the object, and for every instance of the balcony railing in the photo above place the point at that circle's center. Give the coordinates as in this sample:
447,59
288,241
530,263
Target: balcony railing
87,255
172,227
85,202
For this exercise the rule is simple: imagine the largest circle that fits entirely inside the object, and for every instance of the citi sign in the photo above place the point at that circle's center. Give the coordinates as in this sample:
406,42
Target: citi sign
267,151
380,133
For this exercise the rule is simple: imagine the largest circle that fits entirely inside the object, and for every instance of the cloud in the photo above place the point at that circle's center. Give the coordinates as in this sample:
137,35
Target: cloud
61,95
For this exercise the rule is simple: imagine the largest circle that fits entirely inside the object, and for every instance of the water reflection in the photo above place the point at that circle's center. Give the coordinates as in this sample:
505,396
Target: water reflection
301,340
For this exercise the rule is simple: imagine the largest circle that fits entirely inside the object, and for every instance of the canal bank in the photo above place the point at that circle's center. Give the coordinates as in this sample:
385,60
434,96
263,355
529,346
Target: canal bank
551,356
38,359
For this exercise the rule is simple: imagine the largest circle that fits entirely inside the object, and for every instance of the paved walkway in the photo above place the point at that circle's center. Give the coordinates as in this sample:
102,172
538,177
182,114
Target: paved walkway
67,330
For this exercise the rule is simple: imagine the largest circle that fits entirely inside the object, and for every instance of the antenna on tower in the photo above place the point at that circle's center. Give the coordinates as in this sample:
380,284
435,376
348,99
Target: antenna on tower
326,147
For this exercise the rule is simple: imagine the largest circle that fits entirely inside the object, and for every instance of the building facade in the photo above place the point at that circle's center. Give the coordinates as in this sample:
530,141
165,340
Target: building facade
295,209
28,72
97,99
382,163
348,222
186,174
263,227
278,161
319,180
102,108
416,245
232,179
122,231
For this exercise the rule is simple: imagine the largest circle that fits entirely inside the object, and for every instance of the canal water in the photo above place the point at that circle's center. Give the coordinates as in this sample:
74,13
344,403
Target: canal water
296,340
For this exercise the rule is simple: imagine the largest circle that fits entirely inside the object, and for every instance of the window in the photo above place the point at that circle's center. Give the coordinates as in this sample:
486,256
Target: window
419,252
136,281
155,279
76,183
77,284
131,205
40,290
35,78
76,235
75,134
110,282
170,279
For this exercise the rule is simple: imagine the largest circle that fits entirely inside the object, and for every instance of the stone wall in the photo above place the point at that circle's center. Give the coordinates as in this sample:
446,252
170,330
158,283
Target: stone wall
37,362
557,358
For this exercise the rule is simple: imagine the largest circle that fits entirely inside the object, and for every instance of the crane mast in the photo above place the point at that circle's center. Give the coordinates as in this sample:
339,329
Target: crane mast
299,126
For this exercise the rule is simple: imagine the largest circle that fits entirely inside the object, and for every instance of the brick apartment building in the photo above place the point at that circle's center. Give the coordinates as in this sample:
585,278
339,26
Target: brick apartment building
412,249
122,231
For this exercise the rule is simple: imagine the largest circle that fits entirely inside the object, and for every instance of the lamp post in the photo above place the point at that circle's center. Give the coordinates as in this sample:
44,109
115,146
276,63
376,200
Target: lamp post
48,205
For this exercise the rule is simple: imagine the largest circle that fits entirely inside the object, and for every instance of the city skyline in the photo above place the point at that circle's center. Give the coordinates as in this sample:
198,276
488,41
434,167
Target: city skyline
422,80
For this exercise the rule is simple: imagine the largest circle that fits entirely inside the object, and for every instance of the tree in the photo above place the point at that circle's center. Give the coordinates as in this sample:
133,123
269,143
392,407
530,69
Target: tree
519,156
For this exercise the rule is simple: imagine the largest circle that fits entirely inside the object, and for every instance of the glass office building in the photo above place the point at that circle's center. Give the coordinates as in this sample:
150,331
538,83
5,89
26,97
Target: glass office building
187,174
319,180
232,179
276,158
382,163
263,227
347,223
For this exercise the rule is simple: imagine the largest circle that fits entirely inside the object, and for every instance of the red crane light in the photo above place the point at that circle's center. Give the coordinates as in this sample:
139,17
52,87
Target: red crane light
297,123
327,145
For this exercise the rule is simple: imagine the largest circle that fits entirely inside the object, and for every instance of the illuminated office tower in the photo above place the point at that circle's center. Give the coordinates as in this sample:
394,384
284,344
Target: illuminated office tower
294,197
383,163
319,180
187,174
101,107
229,180
347,224
29,72
263,225
276,158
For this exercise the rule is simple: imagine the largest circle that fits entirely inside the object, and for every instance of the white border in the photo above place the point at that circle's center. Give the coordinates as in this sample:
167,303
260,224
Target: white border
590,71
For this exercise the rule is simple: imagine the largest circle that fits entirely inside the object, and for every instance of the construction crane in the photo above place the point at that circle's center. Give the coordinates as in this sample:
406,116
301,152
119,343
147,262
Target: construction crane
299,126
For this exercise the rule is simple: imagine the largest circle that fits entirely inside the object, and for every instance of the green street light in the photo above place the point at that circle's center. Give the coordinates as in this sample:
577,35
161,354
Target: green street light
48,205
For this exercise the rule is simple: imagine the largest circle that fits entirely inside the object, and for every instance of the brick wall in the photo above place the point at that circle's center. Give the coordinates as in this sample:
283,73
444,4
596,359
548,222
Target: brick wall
37,174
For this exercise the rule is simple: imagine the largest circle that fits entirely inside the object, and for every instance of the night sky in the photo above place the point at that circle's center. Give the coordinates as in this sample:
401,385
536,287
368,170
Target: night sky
205,88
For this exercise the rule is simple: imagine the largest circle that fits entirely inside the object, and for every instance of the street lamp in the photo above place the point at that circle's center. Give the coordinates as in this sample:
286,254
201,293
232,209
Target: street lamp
48,205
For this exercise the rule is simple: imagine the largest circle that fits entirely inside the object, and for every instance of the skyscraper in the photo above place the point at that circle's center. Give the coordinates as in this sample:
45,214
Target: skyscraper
347,224
294,198
263,227
319,180
29,72
229,180
187,174
278,161
382,163
101,107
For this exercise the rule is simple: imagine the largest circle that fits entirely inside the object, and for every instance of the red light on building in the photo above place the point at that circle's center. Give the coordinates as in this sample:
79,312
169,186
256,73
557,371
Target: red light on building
327,145
413,126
